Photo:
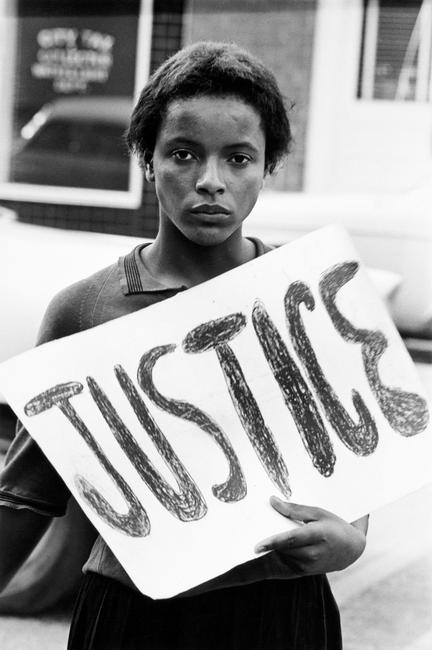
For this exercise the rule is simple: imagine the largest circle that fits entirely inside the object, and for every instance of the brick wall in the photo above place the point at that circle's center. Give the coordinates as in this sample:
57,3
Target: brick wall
280,32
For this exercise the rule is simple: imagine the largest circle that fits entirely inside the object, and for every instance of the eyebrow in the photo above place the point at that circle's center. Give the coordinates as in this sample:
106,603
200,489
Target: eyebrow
244,144
177,140
180,140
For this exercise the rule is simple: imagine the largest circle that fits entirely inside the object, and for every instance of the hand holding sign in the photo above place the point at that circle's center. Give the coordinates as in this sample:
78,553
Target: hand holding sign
324,542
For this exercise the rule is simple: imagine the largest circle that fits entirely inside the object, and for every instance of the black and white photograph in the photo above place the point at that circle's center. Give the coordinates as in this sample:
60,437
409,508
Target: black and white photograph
216,324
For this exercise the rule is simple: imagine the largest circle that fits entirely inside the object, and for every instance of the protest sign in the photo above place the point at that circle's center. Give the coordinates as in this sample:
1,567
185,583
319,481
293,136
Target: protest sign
172,426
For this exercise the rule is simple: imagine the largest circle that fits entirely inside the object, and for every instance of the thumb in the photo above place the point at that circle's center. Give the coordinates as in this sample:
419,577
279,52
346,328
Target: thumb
294,511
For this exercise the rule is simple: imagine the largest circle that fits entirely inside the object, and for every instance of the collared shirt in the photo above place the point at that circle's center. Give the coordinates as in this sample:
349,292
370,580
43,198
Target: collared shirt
29,481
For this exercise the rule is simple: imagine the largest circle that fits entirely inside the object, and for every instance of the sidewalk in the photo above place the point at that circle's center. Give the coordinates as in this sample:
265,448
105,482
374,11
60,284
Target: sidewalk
49,632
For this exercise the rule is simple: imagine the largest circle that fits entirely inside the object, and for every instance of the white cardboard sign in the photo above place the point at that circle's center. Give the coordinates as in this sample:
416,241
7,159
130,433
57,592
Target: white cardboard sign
173,426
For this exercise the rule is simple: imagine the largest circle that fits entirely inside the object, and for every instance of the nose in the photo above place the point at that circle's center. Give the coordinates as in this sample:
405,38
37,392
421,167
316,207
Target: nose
210,179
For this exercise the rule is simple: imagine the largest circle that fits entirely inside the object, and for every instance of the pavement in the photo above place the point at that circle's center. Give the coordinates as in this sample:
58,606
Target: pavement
48,632
385,598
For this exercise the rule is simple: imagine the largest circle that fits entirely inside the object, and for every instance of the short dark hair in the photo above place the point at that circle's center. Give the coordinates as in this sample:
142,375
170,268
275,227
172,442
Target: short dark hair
209,68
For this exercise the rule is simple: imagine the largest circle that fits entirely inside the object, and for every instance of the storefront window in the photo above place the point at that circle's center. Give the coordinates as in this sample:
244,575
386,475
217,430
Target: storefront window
396,50
73,71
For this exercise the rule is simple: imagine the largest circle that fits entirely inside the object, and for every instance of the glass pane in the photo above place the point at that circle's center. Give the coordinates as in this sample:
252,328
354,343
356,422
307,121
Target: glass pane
74,83
397,50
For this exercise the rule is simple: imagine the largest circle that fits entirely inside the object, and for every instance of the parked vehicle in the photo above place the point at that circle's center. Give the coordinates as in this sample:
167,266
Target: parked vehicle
53,570
70,140
391,232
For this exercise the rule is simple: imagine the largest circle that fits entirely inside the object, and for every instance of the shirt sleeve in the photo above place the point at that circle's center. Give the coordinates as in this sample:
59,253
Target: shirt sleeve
28,480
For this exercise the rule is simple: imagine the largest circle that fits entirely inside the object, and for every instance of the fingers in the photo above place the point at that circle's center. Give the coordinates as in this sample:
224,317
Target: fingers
307,535
324,542
295,511
290,540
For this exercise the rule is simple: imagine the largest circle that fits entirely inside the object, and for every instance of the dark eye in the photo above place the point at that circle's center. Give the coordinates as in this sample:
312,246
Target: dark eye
182,154
240,159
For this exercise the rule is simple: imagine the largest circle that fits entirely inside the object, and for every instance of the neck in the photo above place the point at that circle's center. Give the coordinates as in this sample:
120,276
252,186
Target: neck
174,259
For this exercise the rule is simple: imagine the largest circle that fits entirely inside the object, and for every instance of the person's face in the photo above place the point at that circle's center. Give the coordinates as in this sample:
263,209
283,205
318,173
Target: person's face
208,166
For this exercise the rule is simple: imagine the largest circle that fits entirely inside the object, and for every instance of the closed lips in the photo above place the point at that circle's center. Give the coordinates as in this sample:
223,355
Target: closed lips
210,209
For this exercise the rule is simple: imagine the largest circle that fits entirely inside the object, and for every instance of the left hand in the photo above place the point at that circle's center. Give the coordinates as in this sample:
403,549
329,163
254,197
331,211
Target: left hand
324,542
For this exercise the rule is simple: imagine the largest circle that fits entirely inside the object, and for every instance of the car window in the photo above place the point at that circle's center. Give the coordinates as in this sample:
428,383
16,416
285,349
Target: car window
83,138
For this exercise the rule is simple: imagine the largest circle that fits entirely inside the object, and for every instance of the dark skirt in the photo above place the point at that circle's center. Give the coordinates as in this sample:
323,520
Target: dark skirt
296,614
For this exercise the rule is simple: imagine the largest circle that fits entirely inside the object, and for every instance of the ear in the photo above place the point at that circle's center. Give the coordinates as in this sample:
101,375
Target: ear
149,172
147,162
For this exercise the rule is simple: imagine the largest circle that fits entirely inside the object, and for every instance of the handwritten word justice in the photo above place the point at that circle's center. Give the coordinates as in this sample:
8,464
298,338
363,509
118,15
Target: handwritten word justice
406,412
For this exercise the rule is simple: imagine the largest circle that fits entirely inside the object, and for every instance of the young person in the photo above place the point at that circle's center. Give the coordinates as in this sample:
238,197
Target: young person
208,127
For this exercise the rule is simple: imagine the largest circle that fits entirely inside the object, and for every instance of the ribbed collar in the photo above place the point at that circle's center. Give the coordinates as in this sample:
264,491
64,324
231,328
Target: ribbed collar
135,278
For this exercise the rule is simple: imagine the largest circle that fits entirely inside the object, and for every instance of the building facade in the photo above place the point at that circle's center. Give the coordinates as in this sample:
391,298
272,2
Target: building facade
357,76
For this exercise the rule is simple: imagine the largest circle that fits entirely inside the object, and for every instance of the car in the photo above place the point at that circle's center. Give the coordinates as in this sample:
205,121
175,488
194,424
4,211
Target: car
53,570
391,232
75,142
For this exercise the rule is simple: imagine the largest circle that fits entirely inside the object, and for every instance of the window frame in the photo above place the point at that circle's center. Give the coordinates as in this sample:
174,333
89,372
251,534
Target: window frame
14,191
422,30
